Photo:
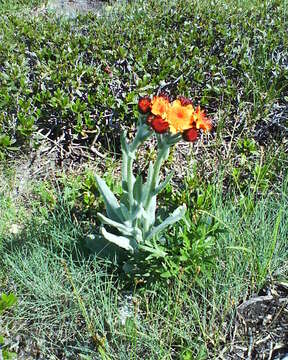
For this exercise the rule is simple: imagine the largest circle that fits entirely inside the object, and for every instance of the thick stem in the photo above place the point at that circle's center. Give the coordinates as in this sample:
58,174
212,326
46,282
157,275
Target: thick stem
130,181
141,135
124,170
161,157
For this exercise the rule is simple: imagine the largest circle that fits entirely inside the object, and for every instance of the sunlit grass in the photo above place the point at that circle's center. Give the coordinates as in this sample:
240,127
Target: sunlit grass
229,56
44,262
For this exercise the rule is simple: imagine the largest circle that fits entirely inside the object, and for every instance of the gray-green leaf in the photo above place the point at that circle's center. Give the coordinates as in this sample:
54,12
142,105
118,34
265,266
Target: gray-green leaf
172,219
123,228
163,184
121,241
112,207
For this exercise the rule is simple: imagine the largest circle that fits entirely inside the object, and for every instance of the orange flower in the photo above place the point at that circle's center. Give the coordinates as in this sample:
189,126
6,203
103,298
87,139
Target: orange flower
201,120
160,105
180,117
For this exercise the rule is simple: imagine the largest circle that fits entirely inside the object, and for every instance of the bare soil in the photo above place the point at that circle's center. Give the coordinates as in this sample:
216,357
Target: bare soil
260,328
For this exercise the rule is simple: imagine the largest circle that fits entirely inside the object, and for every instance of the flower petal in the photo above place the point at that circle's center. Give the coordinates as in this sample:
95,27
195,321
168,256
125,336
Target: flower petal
160,105
180,117
201,120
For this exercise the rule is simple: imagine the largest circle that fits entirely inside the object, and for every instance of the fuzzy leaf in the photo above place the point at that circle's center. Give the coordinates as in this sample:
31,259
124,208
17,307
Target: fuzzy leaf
150,173
124,211
112,207
124,185
163,184
144,132
152,210
137,212
176,216
124,172
147,185
123,228
173,139
120,241
149,214
138,189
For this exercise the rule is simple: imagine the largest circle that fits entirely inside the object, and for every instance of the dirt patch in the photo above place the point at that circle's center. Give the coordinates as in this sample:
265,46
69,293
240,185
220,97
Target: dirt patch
261,326
74,7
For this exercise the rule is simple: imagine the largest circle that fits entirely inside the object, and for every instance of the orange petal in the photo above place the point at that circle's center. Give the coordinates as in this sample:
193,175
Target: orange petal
201,120
160,105
180,117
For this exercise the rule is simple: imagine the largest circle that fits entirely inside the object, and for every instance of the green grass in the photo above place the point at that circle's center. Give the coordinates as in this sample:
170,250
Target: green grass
65,297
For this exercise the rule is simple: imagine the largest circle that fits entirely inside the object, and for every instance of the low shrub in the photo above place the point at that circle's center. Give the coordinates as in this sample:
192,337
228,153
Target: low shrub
77,80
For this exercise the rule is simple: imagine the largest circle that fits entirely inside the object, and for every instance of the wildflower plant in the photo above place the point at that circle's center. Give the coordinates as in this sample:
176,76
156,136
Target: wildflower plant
132,220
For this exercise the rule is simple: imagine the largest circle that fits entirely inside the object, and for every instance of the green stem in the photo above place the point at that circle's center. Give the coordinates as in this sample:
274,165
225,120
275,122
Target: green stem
161,157
130,181
124,170
140,137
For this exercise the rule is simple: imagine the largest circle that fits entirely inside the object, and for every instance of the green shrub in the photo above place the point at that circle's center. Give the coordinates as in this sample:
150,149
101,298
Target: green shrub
78,79
6,302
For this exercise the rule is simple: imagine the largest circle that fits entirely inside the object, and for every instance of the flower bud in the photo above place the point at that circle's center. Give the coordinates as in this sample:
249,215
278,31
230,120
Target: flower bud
144,105
159,125
184,101
190,135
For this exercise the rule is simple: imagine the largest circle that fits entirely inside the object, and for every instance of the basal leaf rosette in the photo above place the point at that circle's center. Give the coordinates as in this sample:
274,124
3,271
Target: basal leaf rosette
178,116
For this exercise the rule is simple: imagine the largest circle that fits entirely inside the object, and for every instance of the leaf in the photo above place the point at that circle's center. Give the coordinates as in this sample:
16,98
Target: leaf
124,211
124,229
137,212
138,189
172,139
149,214
120,241
176,216
112,207
8,355
124,171
5,140
163,184
148,181
166,275
124,185
7,301
144,131
154,250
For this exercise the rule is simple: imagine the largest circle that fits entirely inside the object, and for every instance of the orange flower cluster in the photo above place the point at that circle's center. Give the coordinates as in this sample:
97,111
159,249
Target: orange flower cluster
177,116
